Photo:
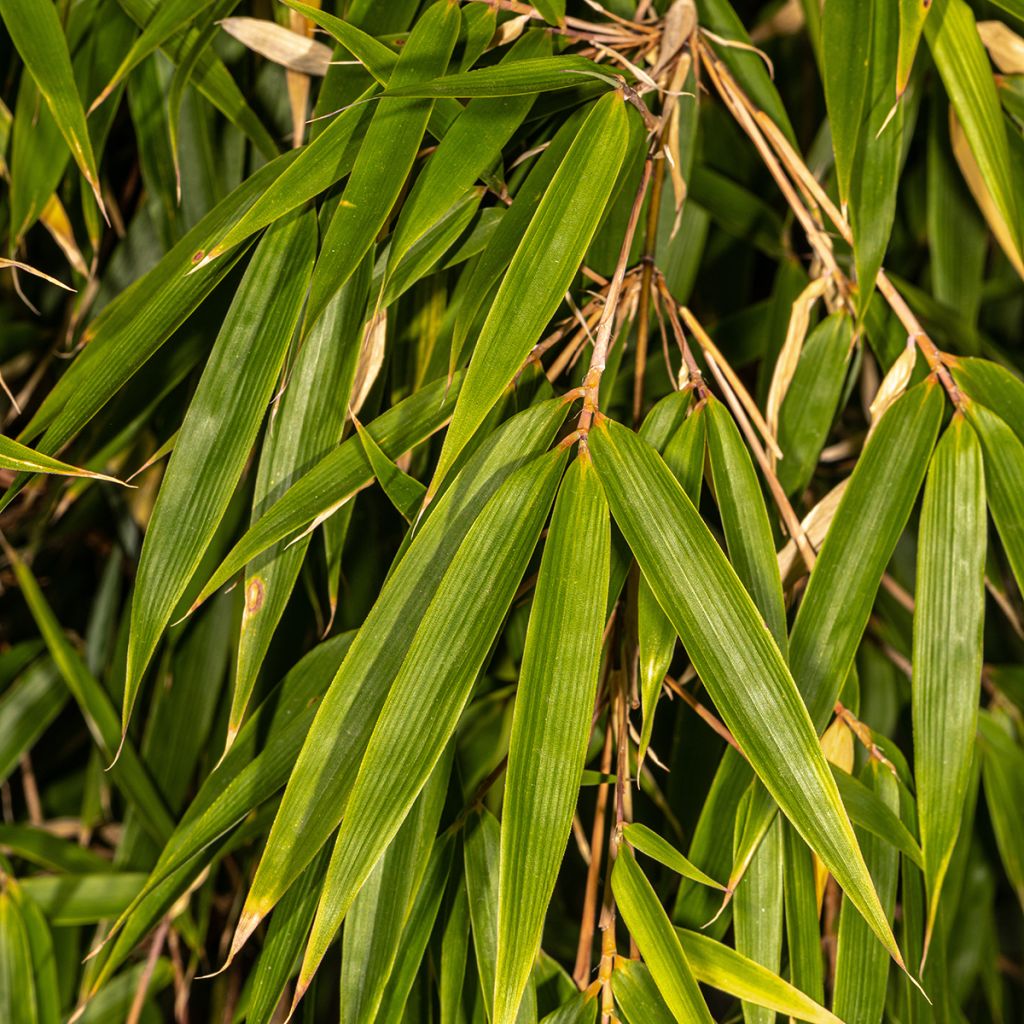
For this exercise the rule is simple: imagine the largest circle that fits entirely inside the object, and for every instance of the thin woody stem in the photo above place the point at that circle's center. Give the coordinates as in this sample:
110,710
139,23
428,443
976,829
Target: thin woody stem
644,310
603,335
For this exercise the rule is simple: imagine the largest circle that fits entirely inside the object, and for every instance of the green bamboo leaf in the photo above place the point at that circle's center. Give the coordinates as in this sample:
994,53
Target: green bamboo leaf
289,926
454,951
870,814
219,429
767,717
723,968
374,55
403,491
524,78
803,937
912,15
82,899
871,516
875,165
846,28
115,1001
38,36
637,995
748,533
384,160
643,839
812,399
963,65
949,615
48,851
552,10
374,925
338,476
545,263
1002,768
995,387
27,707
417,931
757,913
129,774
433,685
547,751
862,970
17,983
468,150
41,952
1004,478
325,770
656,636
656,939
19,459
255,767
306,423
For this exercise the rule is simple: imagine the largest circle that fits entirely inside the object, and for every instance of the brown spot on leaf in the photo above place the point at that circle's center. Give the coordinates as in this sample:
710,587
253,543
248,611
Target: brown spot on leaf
254,596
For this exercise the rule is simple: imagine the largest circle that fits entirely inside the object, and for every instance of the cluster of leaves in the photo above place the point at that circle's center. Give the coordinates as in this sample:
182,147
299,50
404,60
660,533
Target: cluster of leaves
560,438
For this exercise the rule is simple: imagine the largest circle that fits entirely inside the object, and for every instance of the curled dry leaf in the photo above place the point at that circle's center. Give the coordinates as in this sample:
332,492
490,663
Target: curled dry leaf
814,525
1004,46
894,383
371,359
279,44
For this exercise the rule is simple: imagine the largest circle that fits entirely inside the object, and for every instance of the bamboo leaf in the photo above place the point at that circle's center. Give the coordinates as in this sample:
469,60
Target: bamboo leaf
862,971
403,491
995,387
963,64
433,685
1004,478
1002,768
384,159
523,78
641,838
723,968
656,939
768,718
325,770
803,937
912,15
27,707
17,982
871,516
38,36
218,431
949,614
280,44
547,750
637,995
547,259
41,952
870,814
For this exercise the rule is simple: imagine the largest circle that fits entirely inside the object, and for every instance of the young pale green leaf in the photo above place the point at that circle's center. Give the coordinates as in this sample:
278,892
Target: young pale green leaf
129,774
306,423
733,653
757,913
384,160
551,724
912,15
403,491
963,64
289,926
876,163
656,636
846,71
803,935
811,400
748,533
326,768
338,476
433,685
871,516
1002,768
995,387
522,78
1004,479
715,964
217,434
949,617
862,970
545,263
38,36
656,939
646,841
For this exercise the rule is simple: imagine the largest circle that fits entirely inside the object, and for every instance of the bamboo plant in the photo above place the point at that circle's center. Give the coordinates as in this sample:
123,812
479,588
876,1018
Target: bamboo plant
512,513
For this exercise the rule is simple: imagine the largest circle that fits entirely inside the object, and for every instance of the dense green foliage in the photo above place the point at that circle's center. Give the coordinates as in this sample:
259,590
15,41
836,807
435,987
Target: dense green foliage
512,513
